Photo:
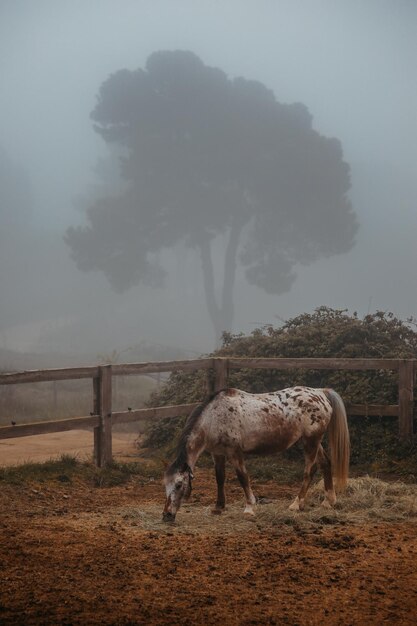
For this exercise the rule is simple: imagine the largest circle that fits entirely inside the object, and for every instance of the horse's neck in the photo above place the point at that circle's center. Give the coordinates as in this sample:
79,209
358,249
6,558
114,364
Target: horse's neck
195,446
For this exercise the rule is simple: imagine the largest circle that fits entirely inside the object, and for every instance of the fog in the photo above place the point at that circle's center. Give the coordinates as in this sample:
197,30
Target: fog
352,64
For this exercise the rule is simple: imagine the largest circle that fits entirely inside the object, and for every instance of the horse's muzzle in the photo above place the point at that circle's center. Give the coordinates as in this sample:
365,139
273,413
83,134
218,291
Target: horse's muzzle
168,517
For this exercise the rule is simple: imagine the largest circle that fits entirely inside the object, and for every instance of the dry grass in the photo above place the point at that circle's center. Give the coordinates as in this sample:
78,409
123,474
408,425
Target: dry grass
364,500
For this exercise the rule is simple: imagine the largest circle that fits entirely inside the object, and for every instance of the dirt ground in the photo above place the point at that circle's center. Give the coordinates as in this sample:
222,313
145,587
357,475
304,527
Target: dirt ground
71,553
78,443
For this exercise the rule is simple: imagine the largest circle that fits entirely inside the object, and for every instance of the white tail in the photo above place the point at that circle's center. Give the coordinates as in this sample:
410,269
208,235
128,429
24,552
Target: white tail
339,440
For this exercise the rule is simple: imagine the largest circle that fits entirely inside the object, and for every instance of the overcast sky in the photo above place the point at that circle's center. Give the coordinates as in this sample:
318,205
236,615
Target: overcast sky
351,62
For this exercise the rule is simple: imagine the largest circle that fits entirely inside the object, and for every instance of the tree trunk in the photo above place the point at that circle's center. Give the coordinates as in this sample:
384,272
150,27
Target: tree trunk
209,289
221,315
229,276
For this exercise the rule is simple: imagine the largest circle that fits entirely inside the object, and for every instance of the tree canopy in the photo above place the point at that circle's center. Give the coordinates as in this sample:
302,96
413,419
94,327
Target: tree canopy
203,154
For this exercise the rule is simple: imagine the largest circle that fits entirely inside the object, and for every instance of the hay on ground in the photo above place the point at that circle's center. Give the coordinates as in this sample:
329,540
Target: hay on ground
365,500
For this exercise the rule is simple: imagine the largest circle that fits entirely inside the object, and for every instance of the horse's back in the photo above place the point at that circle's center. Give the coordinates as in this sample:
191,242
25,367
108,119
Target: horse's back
264,423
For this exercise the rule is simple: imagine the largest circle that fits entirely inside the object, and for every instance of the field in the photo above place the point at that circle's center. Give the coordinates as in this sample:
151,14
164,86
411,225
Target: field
85,546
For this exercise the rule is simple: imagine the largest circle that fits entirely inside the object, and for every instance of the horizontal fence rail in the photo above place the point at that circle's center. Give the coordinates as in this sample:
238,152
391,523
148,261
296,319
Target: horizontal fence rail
45,376
43,428
103,418
161,366
315,364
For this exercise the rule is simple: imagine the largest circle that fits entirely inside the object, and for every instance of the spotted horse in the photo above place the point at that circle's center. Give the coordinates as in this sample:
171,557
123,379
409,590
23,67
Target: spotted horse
232,423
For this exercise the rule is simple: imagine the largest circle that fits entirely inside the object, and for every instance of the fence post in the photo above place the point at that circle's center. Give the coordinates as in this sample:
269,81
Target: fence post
221,372
98,430
405,398
103,407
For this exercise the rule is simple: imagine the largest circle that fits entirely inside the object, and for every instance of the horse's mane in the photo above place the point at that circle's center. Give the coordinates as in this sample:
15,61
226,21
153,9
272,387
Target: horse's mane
181,448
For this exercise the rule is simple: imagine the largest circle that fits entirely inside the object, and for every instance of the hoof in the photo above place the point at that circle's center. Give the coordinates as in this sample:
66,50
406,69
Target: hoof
297,505
249,512
217,511
330,497
326,504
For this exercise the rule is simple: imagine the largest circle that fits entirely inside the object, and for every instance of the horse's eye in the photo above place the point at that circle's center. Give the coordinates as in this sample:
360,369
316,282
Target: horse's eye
178,486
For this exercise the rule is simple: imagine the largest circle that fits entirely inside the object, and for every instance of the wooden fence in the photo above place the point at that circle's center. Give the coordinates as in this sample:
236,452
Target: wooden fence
103,418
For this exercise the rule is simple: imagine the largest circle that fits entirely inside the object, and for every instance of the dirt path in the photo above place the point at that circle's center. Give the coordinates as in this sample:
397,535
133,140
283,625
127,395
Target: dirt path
75,554
78,443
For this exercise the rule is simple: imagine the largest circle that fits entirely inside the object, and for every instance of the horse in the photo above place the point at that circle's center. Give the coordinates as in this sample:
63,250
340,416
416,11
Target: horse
232,423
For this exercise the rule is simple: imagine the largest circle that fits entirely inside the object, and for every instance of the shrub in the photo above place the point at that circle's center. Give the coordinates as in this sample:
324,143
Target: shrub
324,333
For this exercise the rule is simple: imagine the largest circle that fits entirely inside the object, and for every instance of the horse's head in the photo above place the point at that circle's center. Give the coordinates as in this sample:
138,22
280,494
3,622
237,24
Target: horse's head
178,487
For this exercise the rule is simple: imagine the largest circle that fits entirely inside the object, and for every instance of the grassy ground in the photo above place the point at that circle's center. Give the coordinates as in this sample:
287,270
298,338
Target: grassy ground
70,470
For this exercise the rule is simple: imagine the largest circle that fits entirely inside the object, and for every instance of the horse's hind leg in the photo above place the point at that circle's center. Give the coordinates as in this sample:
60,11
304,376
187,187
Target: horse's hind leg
220,469
310,467
243,478
324,462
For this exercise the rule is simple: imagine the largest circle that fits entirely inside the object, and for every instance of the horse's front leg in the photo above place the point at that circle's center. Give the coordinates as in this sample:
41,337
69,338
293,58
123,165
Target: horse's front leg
220,469
243,478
